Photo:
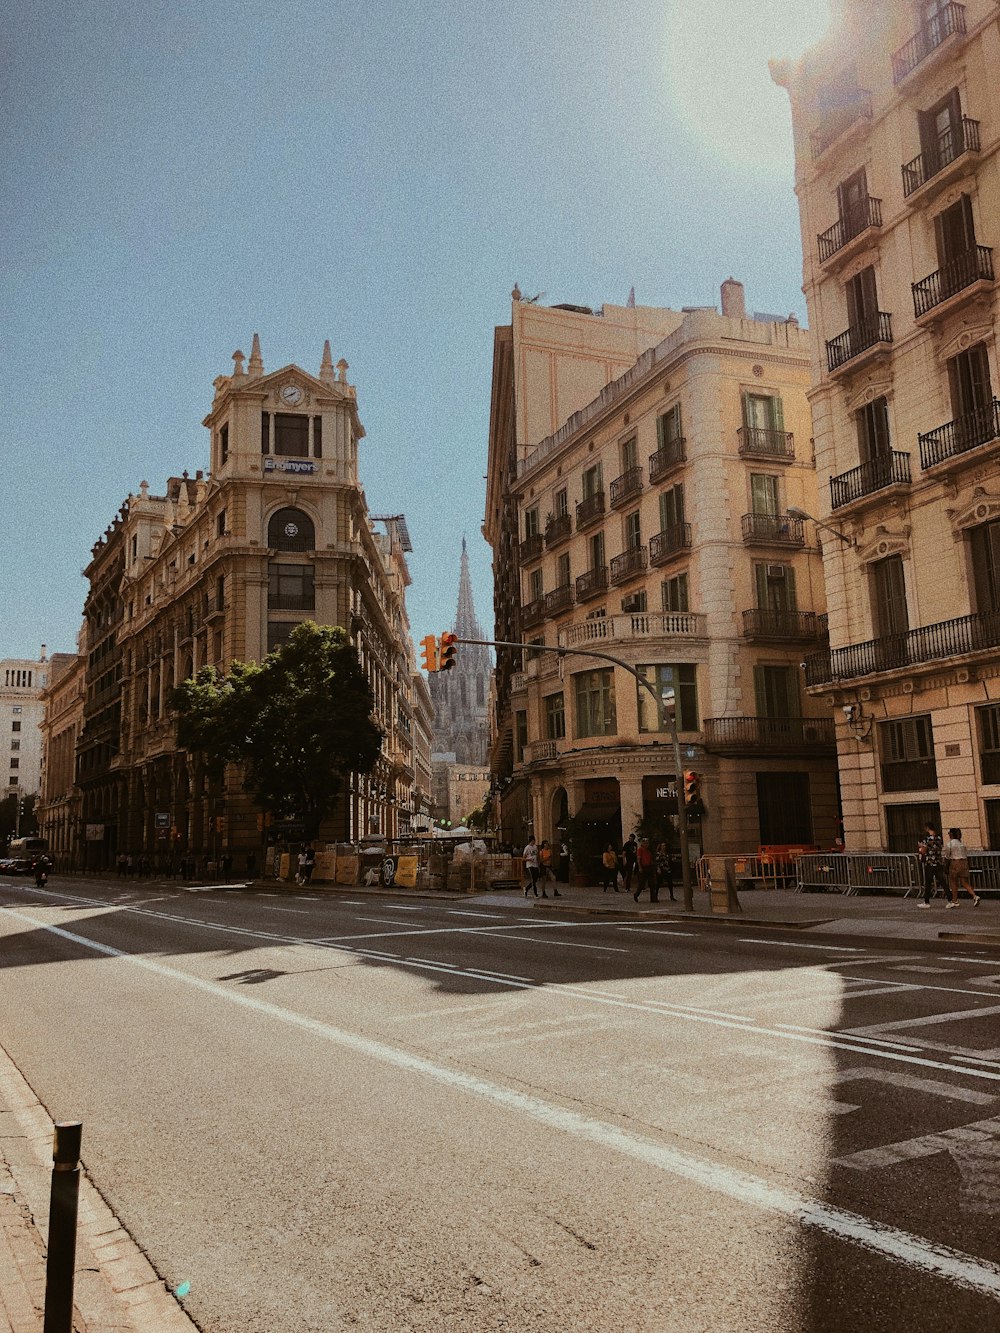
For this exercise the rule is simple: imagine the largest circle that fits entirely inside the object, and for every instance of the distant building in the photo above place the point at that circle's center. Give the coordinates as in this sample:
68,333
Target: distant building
461,695
458,788
897,172
22,682
423,739
59,807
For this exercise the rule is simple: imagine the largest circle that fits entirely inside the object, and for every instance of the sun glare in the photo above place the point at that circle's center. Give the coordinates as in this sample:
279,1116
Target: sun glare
717,68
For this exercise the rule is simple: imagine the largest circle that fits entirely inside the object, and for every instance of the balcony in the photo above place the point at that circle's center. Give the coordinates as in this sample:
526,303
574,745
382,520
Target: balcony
909,775
960,436
626,487
951,145
669,543
936,296
870,335
627,565
772,530
558,600
637,625
533,612
854,108
530,549
557,530
891,470
590,510
667,457
592,584
541,750
948,20
737,735
762,442
837,241
762,624
895,652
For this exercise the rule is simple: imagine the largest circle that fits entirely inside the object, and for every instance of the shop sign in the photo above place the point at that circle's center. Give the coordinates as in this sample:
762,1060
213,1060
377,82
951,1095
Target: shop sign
600,791
295,465
162,819
660,793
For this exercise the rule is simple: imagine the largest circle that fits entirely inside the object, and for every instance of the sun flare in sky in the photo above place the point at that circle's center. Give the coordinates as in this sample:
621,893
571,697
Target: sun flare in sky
717,69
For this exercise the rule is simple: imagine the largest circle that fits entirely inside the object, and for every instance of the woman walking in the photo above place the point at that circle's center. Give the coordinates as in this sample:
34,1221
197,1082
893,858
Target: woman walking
609,869
958,868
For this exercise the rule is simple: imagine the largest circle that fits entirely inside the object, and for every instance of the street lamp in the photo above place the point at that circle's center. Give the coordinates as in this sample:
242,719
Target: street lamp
795,512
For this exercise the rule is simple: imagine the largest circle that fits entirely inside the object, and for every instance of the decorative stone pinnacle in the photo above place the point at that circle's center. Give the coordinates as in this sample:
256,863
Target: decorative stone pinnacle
256,363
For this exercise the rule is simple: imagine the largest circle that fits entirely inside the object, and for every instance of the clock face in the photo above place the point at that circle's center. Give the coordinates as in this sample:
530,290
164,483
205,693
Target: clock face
291,395
291,529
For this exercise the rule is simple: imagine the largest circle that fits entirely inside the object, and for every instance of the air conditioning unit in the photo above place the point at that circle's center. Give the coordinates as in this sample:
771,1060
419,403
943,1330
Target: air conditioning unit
775,571
635,601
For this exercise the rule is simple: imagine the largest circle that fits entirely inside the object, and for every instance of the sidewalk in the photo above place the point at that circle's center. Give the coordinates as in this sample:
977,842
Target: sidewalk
116,1288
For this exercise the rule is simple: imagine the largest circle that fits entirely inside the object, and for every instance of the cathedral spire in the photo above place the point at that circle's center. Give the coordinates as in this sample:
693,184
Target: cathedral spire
466,624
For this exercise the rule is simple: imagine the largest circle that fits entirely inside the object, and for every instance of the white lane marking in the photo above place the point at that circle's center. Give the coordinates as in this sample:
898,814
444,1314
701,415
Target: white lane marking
847,1042
917,1252
974,1148
299,911
490,916
918,967
560,944
892,1045
976,1060
795,944
926,1020
688,934
911,1083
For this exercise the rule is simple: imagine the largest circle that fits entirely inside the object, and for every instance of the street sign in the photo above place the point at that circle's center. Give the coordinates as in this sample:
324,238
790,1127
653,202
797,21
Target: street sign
162,819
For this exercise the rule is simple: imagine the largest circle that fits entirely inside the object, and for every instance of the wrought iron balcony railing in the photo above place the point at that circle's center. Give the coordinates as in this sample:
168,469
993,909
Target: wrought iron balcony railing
559,599
667,457
961,435
762,442
870,332
909,775
891,469
929,643
853,223
532,612
592,583
628,564
669,542
768,733
557,529
792,626
947,20
951,143
773,530
589,510
853,106
975,265
531,548
626,486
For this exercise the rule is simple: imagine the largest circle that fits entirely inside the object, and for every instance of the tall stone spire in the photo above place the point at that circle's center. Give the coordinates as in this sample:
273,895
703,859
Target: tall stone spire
466,624
255,366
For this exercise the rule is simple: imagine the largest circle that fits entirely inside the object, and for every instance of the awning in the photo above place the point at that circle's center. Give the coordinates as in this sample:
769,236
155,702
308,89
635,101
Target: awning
599,812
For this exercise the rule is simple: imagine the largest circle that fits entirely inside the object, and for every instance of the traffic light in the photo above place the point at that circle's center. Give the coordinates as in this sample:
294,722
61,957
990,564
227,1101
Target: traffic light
692,794
429,652
449,647
220,823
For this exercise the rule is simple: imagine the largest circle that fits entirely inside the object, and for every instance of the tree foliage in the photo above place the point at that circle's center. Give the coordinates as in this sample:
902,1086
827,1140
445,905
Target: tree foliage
299,722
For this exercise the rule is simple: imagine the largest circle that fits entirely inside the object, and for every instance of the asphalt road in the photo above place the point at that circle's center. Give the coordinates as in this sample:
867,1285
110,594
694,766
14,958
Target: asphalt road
373,1114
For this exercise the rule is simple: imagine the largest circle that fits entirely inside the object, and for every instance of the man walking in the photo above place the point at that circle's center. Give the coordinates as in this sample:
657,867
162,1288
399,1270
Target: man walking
931,852
530,855
644,864
629,858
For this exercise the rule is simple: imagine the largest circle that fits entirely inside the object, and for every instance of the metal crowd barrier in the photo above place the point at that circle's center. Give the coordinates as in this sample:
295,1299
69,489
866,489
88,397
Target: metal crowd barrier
860,872
750,871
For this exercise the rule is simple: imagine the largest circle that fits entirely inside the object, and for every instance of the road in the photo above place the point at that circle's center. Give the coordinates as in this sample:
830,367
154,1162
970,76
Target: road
384,1114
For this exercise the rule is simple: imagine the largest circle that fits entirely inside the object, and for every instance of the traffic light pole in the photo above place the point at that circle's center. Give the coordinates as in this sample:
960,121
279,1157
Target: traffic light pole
662,715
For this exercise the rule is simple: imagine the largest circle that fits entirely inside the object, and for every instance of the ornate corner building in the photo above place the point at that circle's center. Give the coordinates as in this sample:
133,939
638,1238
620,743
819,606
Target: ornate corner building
896,118
223,566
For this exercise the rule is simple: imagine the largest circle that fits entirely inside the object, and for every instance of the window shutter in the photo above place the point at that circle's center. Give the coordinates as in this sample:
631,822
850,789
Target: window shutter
790,603
760,578
760,690
777,414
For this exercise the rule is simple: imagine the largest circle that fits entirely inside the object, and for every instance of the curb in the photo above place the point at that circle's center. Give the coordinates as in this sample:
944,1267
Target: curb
116,1286
989,941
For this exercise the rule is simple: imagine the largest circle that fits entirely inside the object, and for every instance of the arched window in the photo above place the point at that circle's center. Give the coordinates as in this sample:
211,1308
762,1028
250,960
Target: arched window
291,530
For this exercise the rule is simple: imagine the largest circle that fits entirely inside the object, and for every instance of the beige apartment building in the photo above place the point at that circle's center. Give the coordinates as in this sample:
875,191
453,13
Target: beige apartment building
60,807
897,125
223,566
655,525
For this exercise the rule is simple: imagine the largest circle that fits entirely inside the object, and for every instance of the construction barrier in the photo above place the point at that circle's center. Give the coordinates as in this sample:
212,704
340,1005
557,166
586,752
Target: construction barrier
752,871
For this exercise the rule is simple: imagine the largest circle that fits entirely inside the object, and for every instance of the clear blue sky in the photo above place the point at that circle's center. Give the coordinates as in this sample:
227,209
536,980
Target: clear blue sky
173,178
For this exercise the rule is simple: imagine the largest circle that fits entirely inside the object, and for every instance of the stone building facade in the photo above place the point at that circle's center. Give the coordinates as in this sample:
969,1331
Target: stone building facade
655,525
896,118
22,683
59,808
223,566
461,694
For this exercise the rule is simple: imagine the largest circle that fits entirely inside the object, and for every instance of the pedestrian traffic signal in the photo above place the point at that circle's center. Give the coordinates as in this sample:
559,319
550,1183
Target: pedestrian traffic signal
220,823
429,652
693,801
449,647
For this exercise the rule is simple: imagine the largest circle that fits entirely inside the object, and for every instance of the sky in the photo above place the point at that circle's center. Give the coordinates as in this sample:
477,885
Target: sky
176,178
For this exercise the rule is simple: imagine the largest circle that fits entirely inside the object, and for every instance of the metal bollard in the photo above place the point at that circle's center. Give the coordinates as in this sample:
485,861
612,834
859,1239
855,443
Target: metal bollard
61,1263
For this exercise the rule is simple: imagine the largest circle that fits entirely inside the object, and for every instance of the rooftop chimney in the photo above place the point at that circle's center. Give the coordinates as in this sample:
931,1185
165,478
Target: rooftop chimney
43,658
733,300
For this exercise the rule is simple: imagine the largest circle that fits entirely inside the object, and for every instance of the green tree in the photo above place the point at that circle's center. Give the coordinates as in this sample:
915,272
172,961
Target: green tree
299,722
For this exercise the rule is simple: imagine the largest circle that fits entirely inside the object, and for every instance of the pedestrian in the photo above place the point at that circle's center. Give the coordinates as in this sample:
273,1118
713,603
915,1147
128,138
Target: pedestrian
547,873
130,866
251,864
227,866
120,863
531,867
646,868
310,864
629,861
664,870
564,861
42,867
300,872
958,868
930,850
609,869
